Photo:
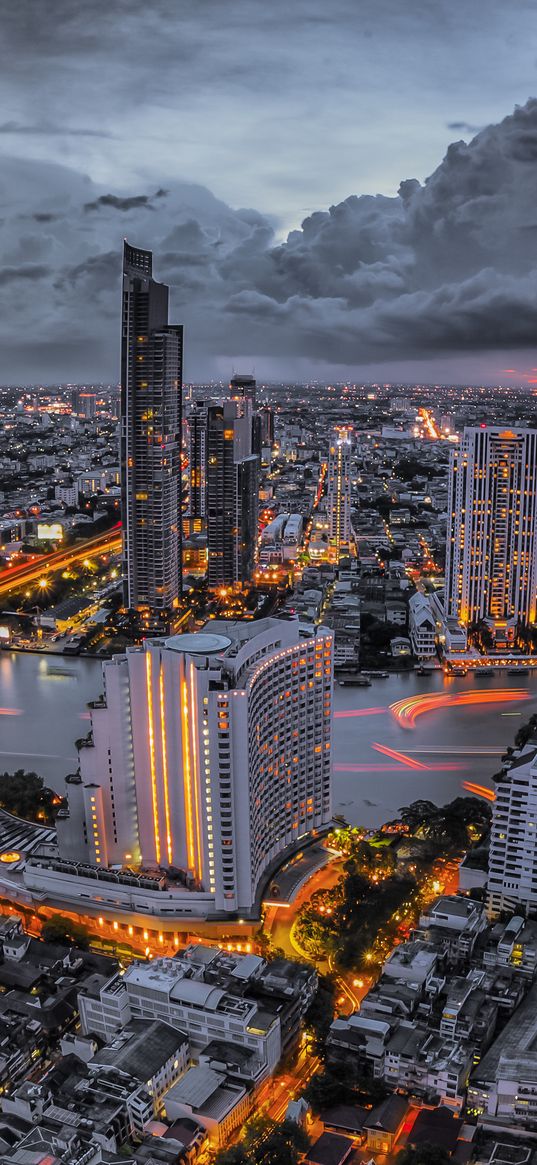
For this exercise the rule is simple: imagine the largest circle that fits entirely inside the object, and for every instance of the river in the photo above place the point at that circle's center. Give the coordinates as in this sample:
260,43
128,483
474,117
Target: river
43,712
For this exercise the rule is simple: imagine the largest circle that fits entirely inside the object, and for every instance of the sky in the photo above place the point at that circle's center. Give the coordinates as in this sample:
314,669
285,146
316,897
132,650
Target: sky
333,190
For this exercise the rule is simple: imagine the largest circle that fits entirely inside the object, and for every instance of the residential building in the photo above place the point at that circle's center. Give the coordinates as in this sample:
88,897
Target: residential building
83,403
512,879
242,386
491,560
338,491
150,1051
151,389
232,494
422,626
212,1100
243,712
453,924
503,1085
196,451
385,1123
203,992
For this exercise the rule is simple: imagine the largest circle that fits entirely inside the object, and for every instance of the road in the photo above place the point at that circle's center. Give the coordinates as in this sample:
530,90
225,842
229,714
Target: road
279,924
15,577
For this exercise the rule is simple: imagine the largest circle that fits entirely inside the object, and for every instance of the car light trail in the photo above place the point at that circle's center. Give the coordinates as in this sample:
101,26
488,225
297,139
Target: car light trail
479,790
406,711
359,712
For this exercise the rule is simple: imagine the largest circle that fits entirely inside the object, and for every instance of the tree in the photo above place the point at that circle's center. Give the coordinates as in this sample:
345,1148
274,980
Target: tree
526,732
267,1142
425,1154
62,930
235,1155
324,1090
25,795
320,1012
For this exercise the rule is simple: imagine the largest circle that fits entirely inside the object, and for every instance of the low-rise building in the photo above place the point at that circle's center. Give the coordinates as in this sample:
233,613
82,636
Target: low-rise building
503,1086
152,1052
422,626
212,1099
209,994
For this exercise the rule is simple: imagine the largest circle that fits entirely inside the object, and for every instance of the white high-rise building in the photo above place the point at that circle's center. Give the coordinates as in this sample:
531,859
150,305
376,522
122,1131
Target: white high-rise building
209,755
491,560
512,880
338,490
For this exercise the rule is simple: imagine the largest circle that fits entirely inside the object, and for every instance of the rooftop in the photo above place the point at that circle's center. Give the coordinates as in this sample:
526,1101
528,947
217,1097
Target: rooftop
517,1043
142,1049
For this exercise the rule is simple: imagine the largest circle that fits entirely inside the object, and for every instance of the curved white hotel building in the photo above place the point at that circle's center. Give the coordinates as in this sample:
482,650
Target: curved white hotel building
209,756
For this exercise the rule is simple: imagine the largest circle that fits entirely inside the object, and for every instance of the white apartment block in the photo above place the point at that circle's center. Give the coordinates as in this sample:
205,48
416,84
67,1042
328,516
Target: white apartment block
512,880
192,996
503,1087
422,626
209,755
491,559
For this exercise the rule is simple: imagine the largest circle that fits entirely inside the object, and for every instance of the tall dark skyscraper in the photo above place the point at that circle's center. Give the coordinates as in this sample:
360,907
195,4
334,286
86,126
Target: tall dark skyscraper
232,494
196,447
151,391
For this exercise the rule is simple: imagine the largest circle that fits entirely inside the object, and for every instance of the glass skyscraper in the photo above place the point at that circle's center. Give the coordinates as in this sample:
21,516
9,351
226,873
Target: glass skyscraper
151,392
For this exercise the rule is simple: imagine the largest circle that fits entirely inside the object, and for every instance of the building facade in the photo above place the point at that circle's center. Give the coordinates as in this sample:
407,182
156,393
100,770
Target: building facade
196,421
243,386
209,755
491,559
232,495
338,491
512,879
151,388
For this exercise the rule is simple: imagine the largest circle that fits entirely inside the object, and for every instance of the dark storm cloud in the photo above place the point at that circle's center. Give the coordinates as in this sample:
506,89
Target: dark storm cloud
447,265
31,272
42,128
278,105
132,203
464,127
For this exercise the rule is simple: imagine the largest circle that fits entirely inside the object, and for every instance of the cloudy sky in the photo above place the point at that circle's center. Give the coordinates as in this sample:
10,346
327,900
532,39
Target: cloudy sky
332,188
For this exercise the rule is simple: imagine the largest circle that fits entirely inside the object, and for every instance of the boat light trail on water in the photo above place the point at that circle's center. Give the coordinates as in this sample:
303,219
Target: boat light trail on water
406,711
479,790
408,761
360,712
400,768
10,711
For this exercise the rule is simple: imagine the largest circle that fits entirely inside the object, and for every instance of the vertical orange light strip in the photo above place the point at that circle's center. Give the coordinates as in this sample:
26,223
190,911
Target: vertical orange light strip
187,782
152,752
194,718
165,764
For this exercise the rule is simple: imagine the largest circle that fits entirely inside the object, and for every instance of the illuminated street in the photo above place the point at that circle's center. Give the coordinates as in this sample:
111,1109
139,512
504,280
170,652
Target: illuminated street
47,565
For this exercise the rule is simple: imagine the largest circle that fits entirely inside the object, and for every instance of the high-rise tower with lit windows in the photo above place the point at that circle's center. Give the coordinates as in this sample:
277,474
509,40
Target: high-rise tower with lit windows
232,494
338,490
209,756
151,387
491,556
